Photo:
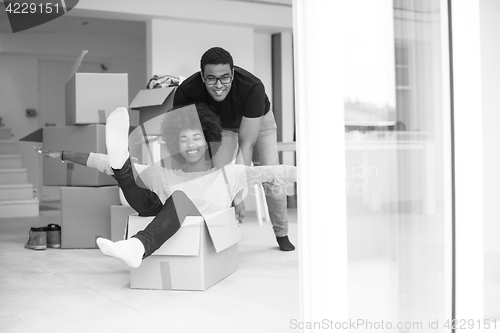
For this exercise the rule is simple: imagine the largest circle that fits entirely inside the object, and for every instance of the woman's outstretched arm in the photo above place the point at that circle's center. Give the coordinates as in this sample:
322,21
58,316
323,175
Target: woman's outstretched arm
91,160
65,155
97,161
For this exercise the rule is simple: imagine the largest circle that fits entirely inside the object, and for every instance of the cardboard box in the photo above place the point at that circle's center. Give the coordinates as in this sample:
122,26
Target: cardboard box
200,254
91,97
84,139
119,218
85,215
153,102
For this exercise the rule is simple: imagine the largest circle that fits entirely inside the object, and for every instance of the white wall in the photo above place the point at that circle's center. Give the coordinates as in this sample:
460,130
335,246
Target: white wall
18,91
490,54
176,47
263,64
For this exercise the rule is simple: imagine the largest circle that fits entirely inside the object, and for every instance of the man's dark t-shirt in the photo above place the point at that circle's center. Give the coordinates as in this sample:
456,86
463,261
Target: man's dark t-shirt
247,97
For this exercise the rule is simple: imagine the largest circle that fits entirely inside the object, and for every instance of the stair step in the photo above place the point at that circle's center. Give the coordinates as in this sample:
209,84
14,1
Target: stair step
10,161
19,208
8,146
5,133
13,176
16,192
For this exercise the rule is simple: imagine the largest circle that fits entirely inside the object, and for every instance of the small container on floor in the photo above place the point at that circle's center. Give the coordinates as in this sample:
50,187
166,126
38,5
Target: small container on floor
38,239
54,236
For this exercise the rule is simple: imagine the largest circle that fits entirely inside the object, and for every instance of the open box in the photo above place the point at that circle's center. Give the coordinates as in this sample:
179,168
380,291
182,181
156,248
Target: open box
153,102
203,252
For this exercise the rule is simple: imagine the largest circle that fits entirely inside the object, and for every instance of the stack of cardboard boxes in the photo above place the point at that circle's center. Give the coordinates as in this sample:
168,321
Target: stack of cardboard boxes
91,204
86,194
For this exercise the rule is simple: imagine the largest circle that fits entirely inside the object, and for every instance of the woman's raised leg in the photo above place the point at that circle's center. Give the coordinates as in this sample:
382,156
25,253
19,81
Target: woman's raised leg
143,200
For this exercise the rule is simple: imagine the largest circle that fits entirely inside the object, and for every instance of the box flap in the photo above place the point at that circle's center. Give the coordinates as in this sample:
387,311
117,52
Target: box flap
223,229
185,242
36,136
77,64
150,97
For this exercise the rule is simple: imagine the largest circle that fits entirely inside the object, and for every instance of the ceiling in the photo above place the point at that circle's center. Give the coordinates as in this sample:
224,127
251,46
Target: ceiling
84,25
73,24
271,2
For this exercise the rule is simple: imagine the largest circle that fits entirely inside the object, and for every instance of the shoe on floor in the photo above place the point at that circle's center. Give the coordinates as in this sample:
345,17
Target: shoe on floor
38,239
54,236
285,244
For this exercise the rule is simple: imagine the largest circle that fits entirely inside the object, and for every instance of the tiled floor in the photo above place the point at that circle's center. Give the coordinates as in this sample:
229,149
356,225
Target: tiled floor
85,291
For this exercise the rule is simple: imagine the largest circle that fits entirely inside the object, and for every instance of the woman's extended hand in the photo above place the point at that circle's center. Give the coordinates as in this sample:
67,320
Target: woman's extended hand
49,153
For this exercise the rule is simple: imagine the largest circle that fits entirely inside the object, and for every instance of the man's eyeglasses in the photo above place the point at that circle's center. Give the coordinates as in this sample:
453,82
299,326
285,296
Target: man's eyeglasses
211,80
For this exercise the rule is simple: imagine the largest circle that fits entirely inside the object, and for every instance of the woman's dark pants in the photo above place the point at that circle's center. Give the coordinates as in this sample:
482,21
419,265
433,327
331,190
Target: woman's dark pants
169,216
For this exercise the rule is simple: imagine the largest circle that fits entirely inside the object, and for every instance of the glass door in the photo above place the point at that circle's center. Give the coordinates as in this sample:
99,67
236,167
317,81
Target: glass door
396,137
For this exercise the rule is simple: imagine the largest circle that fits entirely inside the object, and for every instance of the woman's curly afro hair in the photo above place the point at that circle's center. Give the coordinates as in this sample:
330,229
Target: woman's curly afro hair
191,117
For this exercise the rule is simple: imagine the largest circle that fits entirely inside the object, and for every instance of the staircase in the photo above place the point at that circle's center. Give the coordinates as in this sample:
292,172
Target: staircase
16,195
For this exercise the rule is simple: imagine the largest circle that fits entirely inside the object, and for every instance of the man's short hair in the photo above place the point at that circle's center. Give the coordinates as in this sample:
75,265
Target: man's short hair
216,56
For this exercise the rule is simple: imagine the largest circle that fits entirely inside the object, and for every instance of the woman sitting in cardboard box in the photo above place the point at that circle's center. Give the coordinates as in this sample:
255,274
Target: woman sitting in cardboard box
193,135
